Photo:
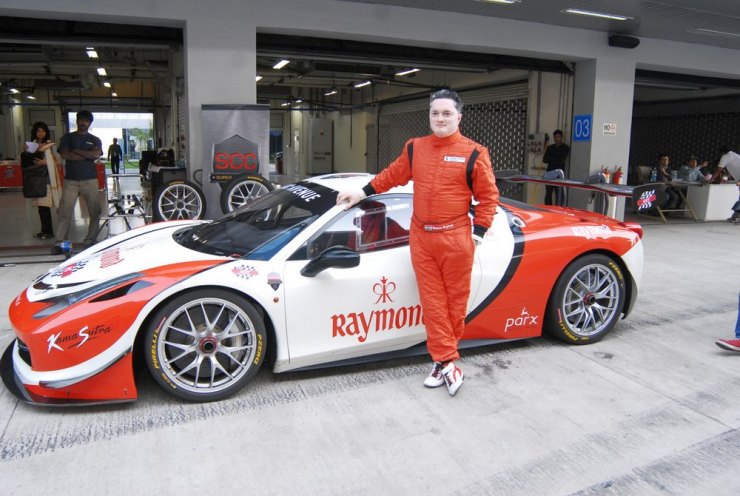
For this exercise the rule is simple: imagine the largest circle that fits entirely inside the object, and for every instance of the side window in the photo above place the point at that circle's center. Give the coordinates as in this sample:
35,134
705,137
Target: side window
370,226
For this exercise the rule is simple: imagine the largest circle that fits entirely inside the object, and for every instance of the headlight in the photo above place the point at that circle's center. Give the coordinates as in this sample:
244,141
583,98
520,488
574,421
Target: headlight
60,303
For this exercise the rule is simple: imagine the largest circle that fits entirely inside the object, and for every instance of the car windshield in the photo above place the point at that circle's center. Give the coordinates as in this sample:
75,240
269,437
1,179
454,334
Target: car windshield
260,229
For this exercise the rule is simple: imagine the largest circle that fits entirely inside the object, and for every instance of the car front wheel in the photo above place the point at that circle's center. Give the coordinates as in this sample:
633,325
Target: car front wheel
205,345
587,300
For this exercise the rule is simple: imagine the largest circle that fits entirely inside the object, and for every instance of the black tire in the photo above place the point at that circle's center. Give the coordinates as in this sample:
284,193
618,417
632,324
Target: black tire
205,345
586,301
243,189
177,200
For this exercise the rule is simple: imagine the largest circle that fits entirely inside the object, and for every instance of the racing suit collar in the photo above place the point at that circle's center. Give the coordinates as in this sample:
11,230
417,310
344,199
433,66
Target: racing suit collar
447,140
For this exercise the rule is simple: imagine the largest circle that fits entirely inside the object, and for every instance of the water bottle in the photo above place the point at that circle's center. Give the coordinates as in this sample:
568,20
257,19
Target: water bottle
66,246
654,175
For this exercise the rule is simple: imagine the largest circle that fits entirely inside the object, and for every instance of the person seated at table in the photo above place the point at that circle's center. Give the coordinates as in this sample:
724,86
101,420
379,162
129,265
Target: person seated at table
666,175
691,171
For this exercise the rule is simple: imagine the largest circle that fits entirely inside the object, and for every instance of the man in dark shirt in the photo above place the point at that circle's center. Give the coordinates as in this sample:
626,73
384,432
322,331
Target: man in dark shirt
665,175
114,157
555,156
80,150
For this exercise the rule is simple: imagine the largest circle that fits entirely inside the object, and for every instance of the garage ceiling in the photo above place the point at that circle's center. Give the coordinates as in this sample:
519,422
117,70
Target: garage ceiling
705,22
49,56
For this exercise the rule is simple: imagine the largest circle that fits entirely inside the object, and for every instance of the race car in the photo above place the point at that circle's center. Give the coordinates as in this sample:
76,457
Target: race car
299,282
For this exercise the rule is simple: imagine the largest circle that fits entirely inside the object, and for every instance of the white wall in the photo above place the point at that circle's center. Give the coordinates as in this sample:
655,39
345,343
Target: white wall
220,39
350,140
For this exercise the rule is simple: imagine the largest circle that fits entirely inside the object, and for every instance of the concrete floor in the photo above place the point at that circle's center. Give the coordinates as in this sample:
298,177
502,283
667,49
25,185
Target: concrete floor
653,409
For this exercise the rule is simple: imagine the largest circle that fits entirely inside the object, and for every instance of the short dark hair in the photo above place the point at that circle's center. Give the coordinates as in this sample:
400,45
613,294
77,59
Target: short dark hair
40,125
663,154
556,132
85,114
449,94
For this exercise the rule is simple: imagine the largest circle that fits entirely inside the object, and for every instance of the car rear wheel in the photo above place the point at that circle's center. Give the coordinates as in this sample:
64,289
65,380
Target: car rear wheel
205,345
586,301
179,200
243,189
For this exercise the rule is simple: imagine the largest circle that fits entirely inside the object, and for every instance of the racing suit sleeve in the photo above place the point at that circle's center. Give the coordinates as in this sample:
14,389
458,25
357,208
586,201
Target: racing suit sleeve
397,173
485,193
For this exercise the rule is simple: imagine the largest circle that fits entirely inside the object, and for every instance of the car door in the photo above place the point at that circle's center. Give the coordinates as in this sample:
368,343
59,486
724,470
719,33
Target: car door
344,313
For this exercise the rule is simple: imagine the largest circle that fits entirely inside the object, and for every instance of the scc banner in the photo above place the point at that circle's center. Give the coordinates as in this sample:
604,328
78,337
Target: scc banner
236,141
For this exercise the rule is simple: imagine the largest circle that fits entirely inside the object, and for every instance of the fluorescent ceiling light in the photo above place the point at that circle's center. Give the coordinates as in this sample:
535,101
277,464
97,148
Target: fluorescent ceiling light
298,100
508,2
285,104
106,84
712,32
31,97
102,72
601,15
331,92
407,72
114,94
91,53
362,84
257,78
14,91
281,64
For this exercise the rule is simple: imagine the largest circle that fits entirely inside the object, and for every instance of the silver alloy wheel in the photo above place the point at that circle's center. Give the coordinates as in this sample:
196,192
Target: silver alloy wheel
206,345
591,299
180,201
245,192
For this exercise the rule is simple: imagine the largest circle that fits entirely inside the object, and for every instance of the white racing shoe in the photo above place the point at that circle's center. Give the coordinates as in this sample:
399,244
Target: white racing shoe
435,379
453,377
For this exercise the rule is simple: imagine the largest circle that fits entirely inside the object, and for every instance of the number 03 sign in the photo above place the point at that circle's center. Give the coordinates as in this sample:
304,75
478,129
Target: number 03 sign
582,127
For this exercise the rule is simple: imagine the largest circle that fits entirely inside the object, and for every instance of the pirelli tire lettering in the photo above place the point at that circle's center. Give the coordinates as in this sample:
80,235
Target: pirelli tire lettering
586,301
205,344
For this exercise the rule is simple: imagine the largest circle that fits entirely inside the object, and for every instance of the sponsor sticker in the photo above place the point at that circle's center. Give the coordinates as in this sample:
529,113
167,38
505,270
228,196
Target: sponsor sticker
525,319
274,280
450,158
76,339
70,269
244,271
302,192
110,257
362,324
646,200
591,232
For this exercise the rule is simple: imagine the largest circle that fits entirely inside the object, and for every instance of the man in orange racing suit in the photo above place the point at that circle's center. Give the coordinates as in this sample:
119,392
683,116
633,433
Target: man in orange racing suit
447,170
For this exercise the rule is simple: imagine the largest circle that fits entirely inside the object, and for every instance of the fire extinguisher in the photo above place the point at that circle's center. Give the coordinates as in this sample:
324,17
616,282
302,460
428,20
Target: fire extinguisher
617,175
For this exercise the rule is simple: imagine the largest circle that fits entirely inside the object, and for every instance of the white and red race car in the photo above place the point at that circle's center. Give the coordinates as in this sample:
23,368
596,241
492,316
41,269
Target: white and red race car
294,277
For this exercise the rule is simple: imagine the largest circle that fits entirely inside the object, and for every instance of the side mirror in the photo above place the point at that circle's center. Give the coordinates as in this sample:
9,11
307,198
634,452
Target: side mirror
334,256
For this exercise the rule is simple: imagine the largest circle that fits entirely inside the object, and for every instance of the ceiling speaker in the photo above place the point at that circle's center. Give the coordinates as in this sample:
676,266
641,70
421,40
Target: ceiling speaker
622,41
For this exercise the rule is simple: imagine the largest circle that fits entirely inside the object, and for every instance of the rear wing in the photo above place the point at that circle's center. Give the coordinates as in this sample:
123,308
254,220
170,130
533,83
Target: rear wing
644,197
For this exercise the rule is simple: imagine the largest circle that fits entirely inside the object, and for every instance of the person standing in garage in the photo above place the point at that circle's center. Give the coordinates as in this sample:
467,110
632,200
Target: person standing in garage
80,150
447,169
555,156
114,157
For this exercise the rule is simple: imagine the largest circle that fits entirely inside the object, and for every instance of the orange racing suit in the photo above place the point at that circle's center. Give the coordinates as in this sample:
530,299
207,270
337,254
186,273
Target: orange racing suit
441,243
